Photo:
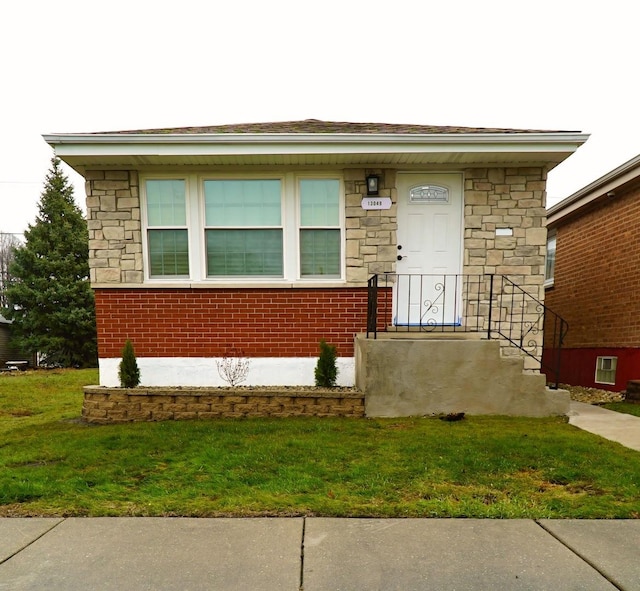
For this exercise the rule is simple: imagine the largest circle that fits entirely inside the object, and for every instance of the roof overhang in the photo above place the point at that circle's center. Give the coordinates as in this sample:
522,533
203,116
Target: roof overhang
92,151
603,188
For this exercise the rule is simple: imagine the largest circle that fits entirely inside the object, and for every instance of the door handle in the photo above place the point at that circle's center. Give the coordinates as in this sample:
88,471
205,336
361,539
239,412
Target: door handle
400,257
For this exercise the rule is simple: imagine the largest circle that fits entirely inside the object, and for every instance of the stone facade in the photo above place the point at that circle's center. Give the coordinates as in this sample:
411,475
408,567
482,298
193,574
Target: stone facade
114,405
494,198
509,199
370,235
504,232
115,227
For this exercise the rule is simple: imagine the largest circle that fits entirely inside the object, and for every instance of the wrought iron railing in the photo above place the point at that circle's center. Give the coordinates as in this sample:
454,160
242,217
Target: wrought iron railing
489,304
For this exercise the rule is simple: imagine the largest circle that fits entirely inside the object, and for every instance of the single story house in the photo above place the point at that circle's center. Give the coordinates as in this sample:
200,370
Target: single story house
265,238
593,279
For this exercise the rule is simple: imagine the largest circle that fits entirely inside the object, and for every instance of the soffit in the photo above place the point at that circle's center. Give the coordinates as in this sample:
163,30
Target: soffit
82,163
315,143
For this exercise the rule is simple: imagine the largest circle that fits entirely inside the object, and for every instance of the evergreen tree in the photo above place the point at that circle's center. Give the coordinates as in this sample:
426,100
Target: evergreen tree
49,298
8,244
326,372
128,370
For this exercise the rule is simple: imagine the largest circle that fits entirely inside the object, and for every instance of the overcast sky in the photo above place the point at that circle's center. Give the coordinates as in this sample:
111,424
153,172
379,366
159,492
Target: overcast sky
72,66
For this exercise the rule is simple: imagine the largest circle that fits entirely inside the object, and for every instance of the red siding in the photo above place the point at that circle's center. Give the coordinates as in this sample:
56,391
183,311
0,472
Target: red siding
578,367
207,322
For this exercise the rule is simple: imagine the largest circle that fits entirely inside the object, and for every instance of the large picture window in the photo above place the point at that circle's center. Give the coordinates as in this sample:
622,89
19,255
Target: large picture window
243,228
320,252
167,233
256,228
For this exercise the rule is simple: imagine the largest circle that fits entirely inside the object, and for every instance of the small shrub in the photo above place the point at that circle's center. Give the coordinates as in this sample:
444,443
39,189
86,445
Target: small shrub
233,367
326,372
128,371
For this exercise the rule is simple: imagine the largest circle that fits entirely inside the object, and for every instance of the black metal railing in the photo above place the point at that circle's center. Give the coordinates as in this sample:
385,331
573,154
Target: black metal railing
489,304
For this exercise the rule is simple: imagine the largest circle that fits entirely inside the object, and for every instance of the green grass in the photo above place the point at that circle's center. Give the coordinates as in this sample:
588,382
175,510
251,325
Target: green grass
630,408
52,464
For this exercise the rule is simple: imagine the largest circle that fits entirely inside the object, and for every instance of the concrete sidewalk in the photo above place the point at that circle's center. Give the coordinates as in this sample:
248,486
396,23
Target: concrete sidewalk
619,427
184,554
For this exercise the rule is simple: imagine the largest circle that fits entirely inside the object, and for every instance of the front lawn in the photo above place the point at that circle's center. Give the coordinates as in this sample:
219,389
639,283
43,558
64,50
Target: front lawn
53,464
630,408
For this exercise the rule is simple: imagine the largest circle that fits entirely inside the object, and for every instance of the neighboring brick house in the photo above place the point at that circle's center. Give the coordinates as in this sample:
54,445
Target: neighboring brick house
593,279
263,236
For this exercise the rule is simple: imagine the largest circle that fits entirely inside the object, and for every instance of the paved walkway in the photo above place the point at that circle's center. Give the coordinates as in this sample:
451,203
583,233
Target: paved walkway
619,427
317,554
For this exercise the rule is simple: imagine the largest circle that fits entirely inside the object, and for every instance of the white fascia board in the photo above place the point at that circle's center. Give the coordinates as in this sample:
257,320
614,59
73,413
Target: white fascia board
607,183
238,144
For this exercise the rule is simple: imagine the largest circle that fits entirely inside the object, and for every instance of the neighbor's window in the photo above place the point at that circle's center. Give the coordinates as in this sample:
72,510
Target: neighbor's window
243,227
167,234
606,370
320,252
550,265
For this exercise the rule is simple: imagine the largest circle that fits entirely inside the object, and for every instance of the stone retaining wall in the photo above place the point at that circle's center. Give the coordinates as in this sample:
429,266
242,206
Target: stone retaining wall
118,405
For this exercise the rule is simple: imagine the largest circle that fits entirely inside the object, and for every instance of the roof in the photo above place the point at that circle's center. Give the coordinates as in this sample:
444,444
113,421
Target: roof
315,143
334,127
604,187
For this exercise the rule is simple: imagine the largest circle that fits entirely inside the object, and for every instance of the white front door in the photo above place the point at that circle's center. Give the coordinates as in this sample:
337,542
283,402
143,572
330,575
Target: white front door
430,207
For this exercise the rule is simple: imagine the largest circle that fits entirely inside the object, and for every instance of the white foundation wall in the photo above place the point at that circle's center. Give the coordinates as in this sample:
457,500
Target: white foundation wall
203,371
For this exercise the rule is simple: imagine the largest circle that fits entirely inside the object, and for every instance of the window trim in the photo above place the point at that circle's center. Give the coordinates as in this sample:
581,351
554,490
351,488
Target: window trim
550,281
614,368
205,227
146,227
290,220
340,227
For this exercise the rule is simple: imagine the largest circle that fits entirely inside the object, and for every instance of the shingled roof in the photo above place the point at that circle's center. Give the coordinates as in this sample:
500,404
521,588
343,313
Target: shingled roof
315,143
315,126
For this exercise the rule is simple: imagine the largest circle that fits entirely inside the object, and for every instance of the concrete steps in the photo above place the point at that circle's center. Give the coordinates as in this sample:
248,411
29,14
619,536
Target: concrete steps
406,374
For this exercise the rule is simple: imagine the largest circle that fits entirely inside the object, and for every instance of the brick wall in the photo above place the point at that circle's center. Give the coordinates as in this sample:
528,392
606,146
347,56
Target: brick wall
597,273
206,322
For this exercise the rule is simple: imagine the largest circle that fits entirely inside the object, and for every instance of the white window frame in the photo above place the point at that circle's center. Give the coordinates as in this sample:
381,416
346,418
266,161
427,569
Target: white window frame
146,227
551,236
203,226
290,219
614,368
299,226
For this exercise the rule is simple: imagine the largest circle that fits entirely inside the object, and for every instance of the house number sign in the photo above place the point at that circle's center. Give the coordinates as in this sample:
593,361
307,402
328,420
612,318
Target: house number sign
376,203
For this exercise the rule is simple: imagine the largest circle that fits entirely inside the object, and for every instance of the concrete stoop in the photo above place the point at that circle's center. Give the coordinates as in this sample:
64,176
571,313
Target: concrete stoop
410,375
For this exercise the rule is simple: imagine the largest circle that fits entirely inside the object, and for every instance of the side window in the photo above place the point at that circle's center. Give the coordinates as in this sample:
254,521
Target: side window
320,236
243,228
550,263
167,233
606,370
